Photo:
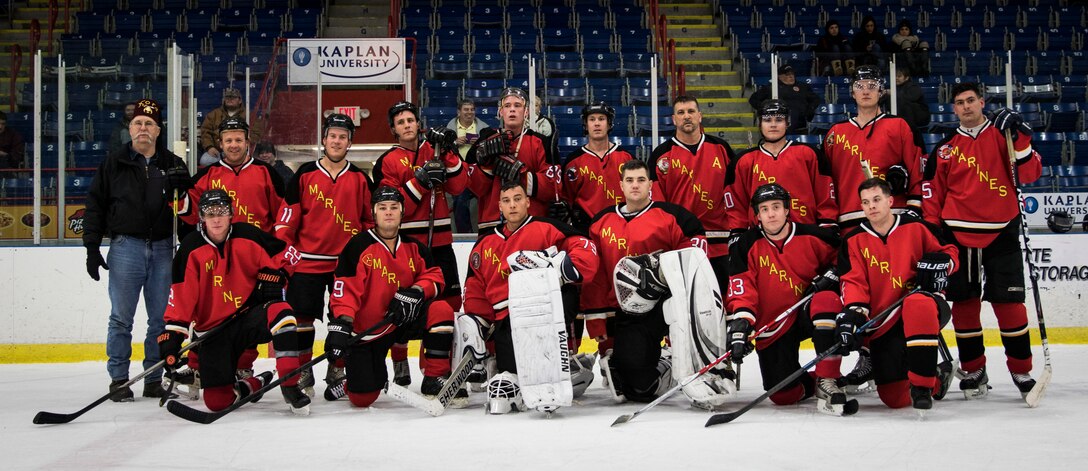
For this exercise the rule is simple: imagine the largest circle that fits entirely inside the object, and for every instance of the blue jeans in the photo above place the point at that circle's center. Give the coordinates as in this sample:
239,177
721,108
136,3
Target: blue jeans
135,265
462,212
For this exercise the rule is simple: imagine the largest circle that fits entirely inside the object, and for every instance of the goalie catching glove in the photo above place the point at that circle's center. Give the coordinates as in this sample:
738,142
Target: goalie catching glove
638,284
932,272
530,259
405,306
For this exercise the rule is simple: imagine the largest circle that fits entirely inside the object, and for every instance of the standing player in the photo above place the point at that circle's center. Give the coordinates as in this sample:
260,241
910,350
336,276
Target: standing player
222,272
769,270
630,343
879,263
326,203
423,173
383,275
971,195
798,168
689,170
513,153
876,143
487,291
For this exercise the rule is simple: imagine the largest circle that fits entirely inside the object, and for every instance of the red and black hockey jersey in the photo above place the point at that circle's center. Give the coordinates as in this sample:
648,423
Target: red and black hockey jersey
396,168
659,226
368,274
970,185
487,287
766,277
797,167
322,211
885,141
539,176
875,271
257,191
212,281
696,181
591,182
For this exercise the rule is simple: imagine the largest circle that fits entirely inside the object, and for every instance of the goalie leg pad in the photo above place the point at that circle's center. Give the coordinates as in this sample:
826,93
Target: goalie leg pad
696,322
539,334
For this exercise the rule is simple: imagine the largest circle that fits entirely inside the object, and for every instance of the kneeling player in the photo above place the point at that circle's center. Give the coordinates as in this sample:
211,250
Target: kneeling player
878,262
383,275
769,271
214,271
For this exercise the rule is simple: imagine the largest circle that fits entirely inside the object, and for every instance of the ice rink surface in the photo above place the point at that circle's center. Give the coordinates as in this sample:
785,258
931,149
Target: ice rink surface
997,432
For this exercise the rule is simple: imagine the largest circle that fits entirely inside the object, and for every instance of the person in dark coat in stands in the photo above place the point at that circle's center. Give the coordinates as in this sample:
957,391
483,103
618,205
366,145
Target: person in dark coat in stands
800,98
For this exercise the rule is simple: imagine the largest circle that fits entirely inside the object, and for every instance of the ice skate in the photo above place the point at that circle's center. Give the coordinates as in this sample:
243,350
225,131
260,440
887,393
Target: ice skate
581,373
611,380
120,393
432,385
335,374
831,399
306,381
186,383
944,380
860,379
504,394
296,399
336,391
477,379
1024,382
243,373
921,397
974,384
402,374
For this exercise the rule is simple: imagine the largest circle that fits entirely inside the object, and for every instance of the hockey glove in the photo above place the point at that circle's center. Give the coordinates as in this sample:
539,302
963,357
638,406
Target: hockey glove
489,150
170,349
559,211
829,281
898,178
912,211
441,139
177,178
339,338
1008,120
405,306
739,331
94,261
508,169
846,328
735,235
270,285
530,259
932,272
431,174
567,270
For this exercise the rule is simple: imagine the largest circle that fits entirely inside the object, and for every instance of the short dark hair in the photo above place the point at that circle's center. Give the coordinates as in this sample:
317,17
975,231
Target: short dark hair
510,185
965,87
465,101
264,147
634,164
875,182
685,99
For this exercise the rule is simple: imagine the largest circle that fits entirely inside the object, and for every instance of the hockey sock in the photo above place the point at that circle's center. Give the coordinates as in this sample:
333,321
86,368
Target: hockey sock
218,398
245,362
966,320
285,339
437,344
363,399
1012,318
194,360
453,300
920,328
399,352
895,395
823,334
305,339
789,396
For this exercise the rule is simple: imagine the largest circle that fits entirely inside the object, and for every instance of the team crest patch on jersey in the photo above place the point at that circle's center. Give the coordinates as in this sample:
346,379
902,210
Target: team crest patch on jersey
663,165
945,152
474,260
572,174
830,139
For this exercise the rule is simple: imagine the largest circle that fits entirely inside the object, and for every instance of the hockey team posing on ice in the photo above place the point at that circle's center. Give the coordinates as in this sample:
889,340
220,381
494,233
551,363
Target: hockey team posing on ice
679,268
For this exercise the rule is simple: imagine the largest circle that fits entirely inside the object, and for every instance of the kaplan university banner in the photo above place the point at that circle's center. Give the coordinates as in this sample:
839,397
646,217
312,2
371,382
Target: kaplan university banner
360,61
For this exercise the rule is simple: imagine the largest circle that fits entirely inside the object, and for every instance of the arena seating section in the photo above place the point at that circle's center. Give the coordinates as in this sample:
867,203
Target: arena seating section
586,50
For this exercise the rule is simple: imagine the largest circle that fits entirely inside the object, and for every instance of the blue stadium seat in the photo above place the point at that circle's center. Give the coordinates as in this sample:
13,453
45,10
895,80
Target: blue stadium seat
417,16
521,41
563,64
487,16
441,92
596,40
447,40
449,65
235,19
128,22
1062,117
639,92
451,17
609,90
601,64
556,16
198,21
487,65
637,63
1050,146
1072,178
487,40
521,17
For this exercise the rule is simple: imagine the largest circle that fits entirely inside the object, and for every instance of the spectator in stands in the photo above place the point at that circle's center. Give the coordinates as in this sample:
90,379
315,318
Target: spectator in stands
870,44
913,49
910,101
468,128
209,128
129,201
12,146
119,137
266,152
832,50
545,126
800,98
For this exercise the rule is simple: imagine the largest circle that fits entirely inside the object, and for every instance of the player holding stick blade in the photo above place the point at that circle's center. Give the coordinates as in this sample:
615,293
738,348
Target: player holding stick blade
424,172
383,275
226,270
973,198
770,269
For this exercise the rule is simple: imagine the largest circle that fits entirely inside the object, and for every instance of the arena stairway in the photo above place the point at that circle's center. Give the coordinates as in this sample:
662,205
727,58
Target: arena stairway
356,19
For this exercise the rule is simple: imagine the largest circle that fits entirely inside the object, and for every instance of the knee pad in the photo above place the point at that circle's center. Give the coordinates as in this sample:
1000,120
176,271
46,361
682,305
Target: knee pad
218,398
363,399
895,395
285,330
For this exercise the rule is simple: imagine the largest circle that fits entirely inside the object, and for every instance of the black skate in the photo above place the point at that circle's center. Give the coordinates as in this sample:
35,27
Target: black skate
860,379
402,374
974,384
1024,382
944,380
921,397
296,399
244,389
186,382
335,374
432,385
831,399
306,381
336,391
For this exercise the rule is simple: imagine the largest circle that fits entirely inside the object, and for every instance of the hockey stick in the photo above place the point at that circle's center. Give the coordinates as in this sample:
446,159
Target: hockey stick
430,215
946,368
1036,394
43,417
207,417
727,417
438,405
729,354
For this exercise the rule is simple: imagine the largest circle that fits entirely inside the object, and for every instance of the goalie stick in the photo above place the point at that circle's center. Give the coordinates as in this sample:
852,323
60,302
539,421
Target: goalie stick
43,417
727,417
729,354
207,417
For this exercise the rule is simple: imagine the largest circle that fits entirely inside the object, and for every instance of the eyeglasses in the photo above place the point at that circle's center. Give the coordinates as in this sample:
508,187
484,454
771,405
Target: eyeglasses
871,86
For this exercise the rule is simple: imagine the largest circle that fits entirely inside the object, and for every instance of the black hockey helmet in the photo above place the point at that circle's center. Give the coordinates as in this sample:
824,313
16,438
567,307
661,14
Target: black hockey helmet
342,121
1060,221
770,192
515,92
868,72
234,123
599,107
214,198
399,107
386,193
773,107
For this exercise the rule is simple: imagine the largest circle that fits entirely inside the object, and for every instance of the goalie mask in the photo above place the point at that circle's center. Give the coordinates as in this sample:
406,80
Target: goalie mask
1059,221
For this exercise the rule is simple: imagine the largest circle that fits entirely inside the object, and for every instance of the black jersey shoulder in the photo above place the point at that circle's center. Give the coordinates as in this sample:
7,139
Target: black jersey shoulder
348,262
688,222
